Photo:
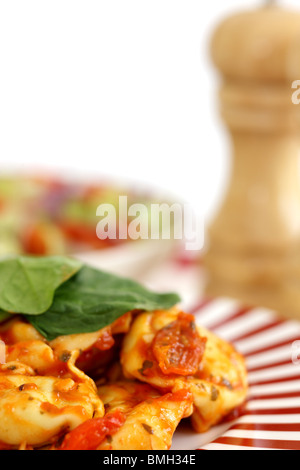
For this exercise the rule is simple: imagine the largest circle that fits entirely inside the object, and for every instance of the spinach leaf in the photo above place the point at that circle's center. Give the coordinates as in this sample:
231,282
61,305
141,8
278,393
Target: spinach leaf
4,316
28,283
93,299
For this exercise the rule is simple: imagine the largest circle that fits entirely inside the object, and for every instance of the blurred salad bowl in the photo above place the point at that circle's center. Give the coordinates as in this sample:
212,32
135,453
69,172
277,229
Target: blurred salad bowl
48,215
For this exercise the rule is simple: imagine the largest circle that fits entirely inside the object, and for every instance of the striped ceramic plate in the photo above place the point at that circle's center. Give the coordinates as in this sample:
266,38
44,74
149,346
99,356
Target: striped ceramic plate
271,417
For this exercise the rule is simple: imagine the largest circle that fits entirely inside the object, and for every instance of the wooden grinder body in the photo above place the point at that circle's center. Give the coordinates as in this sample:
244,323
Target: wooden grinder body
254,241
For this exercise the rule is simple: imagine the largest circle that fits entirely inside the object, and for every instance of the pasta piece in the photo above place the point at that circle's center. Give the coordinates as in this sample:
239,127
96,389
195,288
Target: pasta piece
166,349
101,339
96,350
151,418
16,330
35,354
38,409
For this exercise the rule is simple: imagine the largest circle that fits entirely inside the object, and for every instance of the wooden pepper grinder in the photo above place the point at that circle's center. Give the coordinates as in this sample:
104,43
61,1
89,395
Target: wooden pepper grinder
253,251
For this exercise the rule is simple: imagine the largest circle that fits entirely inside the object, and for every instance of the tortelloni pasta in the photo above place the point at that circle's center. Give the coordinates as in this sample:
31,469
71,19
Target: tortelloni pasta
43,394
126,386
150,417
168,351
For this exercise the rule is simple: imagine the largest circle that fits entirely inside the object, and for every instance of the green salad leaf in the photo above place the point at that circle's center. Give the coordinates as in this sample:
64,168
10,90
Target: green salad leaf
28,283
93,299
4,315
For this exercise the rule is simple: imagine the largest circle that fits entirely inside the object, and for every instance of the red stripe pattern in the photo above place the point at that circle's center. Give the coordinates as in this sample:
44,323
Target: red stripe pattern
271,417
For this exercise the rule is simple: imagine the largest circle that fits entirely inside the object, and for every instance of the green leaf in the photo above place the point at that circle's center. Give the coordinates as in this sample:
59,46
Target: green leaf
4,316
28,283
93,299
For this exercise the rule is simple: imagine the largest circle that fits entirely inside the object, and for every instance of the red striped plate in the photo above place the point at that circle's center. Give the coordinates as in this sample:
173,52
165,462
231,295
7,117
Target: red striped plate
271,417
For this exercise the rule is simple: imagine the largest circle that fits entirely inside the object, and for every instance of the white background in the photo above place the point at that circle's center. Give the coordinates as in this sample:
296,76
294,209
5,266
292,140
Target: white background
121,88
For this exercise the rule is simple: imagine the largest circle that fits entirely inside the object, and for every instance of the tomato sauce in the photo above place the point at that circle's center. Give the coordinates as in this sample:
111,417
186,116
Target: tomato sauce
105,341
178,348
90,434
